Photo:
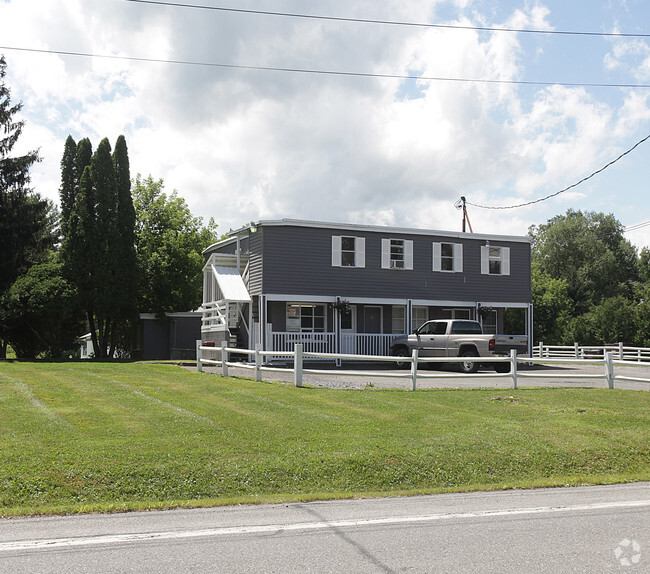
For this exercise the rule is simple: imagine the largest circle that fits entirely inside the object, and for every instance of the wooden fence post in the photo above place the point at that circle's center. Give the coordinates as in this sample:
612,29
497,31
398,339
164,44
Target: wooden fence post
224,358
513,367
297,364
414,369
258,363
609,369
199,356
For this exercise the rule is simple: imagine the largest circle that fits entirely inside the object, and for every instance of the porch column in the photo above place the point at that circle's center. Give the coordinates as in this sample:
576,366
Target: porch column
263,330
336,317
529,329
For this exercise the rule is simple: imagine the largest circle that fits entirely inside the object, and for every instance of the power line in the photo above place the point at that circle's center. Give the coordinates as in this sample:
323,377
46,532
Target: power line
637,144
326,72
390,22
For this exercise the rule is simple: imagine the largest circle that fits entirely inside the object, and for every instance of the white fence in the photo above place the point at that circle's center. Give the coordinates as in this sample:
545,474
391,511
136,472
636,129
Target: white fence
219,357
576,351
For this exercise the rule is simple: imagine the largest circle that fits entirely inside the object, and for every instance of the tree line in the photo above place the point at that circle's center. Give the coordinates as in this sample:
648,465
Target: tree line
590,285
117,247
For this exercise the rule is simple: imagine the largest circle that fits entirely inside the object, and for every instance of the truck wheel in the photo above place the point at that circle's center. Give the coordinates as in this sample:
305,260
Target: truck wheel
401,354
469,366
502,367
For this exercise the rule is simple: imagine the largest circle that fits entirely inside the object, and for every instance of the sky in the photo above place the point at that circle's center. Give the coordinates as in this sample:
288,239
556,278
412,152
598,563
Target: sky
253,115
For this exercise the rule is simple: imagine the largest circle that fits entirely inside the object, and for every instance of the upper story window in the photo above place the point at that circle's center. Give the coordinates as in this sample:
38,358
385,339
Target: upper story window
448,257
396,254
495,260
348,251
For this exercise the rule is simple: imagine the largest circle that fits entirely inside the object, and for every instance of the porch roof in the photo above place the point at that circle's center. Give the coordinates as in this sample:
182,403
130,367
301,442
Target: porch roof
231,284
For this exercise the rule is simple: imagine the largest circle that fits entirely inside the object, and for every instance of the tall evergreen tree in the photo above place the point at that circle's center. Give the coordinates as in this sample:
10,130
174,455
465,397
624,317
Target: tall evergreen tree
26,221
98,249
69,182
126,271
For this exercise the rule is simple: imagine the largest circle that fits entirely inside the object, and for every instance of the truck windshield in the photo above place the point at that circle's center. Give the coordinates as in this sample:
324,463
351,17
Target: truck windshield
466,328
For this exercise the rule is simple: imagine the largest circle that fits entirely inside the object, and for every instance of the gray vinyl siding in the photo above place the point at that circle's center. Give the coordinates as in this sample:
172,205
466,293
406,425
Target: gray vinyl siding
298,260
255,261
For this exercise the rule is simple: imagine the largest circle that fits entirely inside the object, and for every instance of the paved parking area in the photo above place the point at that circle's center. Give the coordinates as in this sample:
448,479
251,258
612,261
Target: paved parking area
378,376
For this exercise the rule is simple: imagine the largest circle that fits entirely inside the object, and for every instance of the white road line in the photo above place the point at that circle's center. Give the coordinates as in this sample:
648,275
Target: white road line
22,545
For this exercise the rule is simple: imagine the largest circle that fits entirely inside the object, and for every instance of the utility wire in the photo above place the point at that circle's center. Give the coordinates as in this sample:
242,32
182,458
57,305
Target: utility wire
637,144
326,72
389,22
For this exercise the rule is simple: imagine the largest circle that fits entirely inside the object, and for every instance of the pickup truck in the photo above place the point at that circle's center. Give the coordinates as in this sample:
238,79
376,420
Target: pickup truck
457,338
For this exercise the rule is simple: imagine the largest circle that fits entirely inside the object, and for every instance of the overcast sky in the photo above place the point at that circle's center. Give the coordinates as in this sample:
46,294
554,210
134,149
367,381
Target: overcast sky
242,144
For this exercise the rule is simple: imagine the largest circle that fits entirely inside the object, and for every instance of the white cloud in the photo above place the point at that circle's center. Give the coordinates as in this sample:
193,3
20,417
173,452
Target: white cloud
242,144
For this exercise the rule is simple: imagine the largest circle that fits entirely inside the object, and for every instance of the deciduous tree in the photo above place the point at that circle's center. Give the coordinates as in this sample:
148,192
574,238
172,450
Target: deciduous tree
169,242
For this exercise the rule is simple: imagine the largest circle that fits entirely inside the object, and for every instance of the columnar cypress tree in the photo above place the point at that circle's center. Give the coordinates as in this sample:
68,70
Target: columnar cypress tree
126,277
69,182
99,249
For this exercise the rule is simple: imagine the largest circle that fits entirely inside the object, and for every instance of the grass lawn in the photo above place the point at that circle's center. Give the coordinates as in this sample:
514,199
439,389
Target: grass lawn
82,437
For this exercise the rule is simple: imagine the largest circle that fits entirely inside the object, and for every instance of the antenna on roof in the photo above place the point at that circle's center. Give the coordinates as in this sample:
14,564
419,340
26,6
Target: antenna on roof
460,204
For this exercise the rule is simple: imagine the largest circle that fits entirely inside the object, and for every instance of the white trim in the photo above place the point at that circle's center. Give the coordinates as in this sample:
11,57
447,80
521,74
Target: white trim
505,261
336,250
360,252
437,256
502,305
385,253
408,254
284,297
485,260
458,257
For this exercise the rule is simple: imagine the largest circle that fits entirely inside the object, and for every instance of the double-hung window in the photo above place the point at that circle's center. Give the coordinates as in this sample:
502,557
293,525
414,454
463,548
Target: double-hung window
396,254
495,260
348,251
448,257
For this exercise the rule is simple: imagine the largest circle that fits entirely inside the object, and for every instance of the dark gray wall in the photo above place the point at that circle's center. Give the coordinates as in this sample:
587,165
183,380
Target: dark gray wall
298,260
169,338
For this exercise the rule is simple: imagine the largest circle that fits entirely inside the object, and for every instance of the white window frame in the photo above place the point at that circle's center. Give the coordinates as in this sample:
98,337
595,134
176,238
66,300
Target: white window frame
488,254
389,261
359,251
457,257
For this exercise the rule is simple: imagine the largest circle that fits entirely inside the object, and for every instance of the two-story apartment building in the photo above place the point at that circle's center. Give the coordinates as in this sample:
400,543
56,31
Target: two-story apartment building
350,288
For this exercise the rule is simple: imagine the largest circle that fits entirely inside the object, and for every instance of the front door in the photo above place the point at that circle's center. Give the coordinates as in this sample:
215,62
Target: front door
372,319
349,330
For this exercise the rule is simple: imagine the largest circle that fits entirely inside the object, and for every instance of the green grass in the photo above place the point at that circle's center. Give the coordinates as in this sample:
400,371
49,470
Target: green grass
82,437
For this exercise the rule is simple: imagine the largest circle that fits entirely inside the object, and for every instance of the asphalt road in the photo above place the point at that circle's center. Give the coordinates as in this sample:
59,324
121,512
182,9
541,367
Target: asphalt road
583,529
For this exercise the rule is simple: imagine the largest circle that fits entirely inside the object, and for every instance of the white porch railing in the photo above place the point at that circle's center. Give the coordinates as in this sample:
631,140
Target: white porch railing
366,343
311,342
351,343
